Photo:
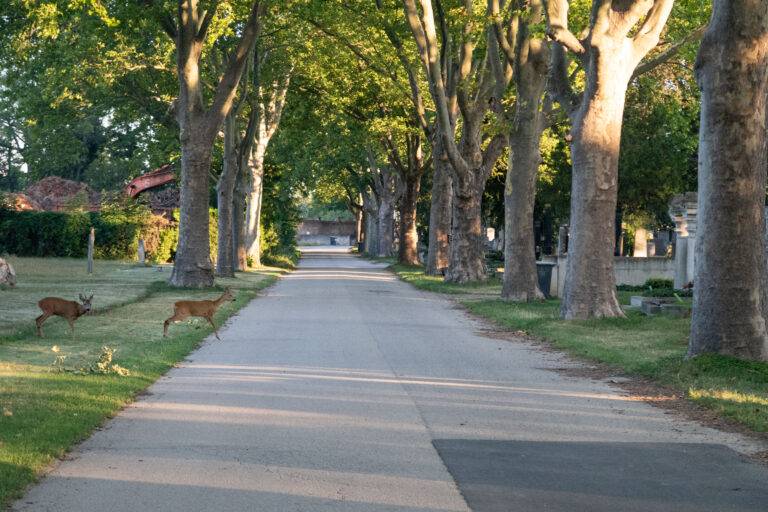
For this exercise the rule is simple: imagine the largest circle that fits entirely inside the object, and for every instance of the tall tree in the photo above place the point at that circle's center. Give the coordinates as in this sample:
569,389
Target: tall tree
610,54
198,128
472,89
528,56
267,109
729,294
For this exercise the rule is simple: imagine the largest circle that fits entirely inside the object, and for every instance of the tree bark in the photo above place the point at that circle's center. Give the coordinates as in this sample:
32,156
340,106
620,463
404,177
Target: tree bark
590,283
192,265
371,207
440,211
732,72
239,254
467,252
409,238
386,229
253,204
520,283
225,190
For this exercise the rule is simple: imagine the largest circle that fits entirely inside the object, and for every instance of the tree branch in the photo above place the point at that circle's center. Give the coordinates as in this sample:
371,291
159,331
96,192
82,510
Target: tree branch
650,31
227,87
670,52
557,26
207,18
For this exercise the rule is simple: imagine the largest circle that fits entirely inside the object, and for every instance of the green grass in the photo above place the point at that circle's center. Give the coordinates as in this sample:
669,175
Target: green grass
44,407
112,283
416,276
651,347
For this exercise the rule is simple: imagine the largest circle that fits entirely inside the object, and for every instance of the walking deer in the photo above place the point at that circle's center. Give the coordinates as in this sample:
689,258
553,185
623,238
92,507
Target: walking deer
183,309
67,309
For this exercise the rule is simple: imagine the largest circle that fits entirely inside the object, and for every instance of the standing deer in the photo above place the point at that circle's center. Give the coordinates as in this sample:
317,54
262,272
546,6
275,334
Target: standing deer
183,309
68,309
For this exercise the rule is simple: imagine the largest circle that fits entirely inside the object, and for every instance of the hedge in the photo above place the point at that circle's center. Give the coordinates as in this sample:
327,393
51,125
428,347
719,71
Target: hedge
118,230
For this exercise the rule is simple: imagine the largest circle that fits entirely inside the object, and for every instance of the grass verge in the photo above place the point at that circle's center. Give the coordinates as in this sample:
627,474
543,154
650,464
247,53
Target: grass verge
53,392
651,347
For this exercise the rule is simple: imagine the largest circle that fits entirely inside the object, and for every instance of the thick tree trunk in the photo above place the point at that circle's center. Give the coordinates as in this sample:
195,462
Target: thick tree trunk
732,72
520,274
254,201
225,190
467,253
439,213
386,229
408,252
590,287
192,265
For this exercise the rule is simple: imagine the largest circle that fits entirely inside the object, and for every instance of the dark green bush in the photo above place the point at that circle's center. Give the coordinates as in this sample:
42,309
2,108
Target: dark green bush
659,283
58,234
666,292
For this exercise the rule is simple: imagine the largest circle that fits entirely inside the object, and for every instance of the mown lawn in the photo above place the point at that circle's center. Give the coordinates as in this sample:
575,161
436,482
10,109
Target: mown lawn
652,347
52,393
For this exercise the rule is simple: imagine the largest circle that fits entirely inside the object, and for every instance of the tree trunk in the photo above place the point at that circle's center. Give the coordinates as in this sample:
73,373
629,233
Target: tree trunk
192,266
439,213
732,72
467,254
371,208
359,225
385,228
409,237
254,201
225,189
590,283
238,223
521,282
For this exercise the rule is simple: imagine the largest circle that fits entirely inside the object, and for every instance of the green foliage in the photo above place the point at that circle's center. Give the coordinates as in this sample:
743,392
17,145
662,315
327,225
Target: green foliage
659,282
118,229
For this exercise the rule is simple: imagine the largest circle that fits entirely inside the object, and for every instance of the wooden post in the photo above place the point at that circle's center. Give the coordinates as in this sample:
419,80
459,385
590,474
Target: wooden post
91,241
142,252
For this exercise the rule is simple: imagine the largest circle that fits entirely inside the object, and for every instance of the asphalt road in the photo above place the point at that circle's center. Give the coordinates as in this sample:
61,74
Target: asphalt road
343,389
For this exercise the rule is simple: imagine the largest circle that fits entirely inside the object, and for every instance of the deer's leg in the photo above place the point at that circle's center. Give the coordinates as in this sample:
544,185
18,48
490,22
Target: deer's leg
175,318
215,331
39,323
71,326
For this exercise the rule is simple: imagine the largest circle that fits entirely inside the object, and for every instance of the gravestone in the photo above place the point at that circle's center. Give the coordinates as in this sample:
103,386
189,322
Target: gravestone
683,209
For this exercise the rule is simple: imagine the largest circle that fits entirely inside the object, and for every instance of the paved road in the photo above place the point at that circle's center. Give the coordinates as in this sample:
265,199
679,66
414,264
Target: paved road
343,389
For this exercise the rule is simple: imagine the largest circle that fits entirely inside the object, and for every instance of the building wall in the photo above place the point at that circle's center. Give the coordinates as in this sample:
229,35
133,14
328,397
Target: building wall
632,271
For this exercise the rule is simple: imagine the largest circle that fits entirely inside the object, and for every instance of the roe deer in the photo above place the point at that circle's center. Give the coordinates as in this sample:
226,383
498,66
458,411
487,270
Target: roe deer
183,309
68,309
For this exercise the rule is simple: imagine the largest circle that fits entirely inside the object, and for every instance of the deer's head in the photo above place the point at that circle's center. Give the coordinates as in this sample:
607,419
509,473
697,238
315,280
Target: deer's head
85,303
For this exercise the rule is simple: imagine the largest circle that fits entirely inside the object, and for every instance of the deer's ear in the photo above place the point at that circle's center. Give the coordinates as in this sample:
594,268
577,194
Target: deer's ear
82,299
90,298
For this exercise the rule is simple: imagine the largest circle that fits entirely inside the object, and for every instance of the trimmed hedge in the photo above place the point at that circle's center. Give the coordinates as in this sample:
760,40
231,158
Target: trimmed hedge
118,230
44,234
